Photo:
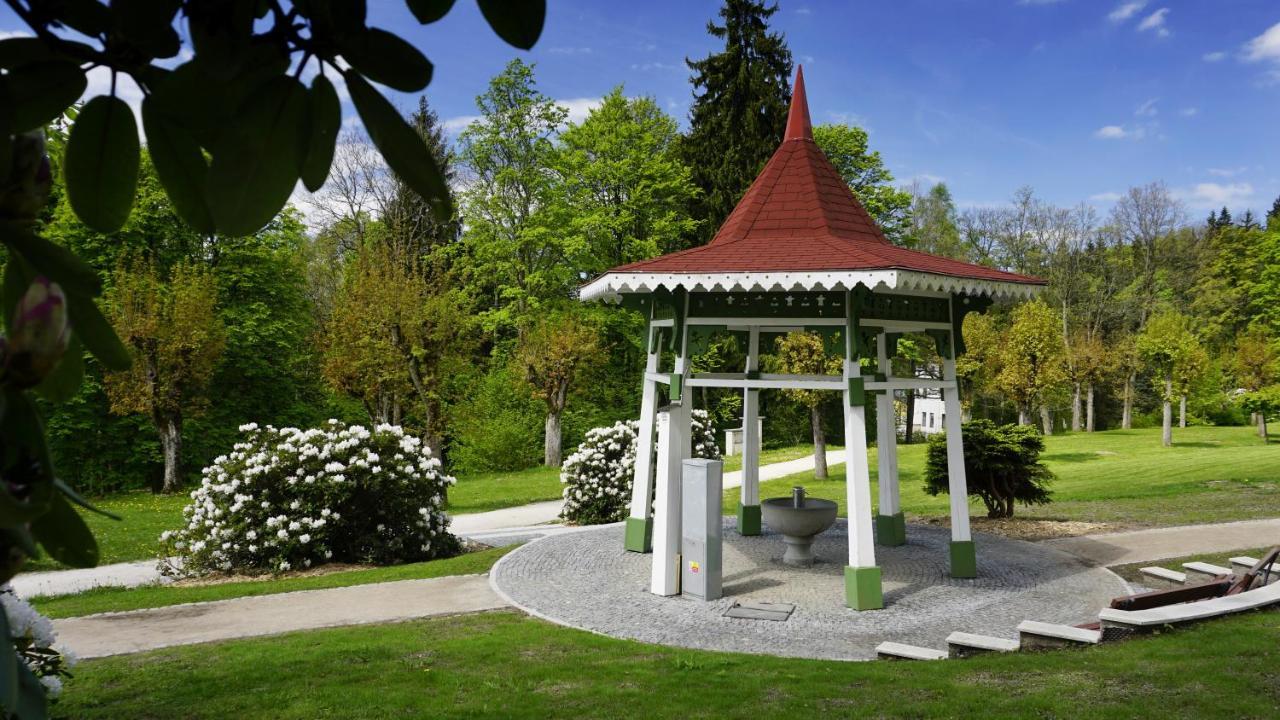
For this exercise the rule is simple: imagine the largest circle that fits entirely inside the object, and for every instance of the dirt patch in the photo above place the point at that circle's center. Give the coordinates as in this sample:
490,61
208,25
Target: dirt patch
1027,528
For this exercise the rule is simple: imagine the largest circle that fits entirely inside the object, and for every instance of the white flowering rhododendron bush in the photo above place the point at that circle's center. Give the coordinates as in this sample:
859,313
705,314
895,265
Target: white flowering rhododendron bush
285,498
597,476
36,643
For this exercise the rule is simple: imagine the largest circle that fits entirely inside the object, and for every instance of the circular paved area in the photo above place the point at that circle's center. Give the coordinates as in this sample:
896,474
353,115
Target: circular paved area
586,580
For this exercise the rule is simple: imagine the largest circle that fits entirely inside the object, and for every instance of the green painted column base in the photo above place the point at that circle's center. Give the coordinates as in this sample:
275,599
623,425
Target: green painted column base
964,561
891,530
639,535
748,519
862,588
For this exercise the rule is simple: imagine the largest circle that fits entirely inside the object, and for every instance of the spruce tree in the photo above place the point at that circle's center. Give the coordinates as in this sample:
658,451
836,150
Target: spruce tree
1274,214
1248,222
739,112
413,228
1224,217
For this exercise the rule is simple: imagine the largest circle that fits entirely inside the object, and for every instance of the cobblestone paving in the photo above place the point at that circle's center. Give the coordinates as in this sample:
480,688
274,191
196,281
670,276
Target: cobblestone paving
586,580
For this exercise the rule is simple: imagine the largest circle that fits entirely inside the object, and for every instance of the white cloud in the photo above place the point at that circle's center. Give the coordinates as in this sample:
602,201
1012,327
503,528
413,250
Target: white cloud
1189,111
659,66
569,50
1214,56
1208,196
1148,108
7,34
1264,47
804,11
1105,197
1118,132
1155,23
458,123
1124,11
579,107
848,118
1227,172
925,178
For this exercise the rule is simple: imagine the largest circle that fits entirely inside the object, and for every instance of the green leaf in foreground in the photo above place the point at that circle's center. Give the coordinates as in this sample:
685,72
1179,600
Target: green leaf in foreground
325,121
96,333
385,58
181,166
64,535
256,162
41,91
429,11
519,22
51,260
402,147
101,164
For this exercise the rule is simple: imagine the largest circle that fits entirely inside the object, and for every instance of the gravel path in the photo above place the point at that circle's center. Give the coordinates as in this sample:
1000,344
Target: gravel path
1136,546
586,580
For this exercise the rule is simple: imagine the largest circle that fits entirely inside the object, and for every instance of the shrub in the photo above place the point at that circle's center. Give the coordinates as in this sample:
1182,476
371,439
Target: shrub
1001,464
36,643
597,476
288,498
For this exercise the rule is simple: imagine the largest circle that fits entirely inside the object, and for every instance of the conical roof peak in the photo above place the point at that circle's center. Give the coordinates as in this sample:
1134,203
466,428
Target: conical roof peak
799,127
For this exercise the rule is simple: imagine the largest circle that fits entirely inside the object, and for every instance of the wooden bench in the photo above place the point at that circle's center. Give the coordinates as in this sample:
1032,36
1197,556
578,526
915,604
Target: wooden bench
1205,568
1165,574
963,645
1035,635
1117,624
902,651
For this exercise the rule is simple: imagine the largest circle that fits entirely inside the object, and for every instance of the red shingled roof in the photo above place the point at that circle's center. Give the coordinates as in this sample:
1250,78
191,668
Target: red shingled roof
800,215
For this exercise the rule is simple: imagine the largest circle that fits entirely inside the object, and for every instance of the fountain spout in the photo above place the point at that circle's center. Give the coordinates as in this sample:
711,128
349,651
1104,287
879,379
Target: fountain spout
797,496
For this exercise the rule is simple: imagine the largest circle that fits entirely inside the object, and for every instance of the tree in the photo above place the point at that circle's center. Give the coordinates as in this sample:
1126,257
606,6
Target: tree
171,326
863,170
627,190
1032,366
1143,216
1088,361
1273,215
739,112
934,227
979,367
1001,465
1263,403
517,249
1166,344
803,353
553,353
1256,367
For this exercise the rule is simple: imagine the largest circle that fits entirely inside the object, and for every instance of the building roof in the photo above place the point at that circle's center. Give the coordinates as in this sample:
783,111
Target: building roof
799,227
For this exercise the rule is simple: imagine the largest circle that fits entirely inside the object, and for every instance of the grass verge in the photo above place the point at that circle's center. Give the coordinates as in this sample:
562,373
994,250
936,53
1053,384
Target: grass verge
1133,572
507,665
119,599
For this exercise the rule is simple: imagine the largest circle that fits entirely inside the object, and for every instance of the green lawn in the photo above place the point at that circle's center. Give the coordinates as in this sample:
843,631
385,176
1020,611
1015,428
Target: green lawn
1124,477
1133,572
774,455
117,599
136,536
507,665
492,491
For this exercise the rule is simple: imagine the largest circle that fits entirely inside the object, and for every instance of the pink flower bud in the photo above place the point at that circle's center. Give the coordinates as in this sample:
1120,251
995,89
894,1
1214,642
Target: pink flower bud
39,334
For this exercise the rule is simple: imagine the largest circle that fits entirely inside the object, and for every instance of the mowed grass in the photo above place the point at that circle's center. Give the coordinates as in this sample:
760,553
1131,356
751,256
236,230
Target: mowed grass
136,536
1122,477
507,665
119,599
481,492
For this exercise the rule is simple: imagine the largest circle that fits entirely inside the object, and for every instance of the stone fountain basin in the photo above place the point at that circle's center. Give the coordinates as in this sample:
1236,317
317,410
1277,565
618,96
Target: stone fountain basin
815,516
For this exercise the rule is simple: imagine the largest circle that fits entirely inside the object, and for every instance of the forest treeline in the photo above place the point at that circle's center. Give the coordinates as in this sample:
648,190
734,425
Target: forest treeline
361,304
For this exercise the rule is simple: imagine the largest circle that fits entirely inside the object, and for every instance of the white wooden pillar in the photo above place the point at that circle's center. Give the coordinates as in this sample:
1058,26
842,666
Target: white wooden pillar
639,530
749,502
964,561
891,528
665,575
862,589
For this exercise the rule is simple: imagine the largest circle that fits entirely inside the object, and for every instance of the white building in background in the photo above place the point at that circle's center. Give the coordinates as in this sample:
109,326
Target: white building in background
930,415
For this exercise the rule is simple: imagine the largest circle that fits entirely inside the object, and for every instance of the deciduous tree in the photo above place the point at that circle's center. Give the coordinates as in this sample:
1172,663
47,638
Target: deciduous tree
1032,358
803,353
1167,344
863,170
553,353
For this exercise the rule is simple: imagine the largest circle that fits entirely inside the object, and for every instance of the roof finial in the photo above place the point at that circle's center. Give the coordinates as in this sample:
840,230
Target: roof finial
798,125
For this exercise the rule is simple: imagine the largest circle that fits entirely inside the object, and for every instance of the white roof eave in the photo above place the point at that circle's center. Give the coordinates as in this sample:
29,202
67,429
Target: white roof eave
611,286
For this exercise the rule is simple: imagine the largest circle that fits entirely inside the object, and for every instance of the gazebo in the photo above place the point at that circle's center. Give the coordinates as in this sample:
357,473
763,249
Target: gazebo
799,252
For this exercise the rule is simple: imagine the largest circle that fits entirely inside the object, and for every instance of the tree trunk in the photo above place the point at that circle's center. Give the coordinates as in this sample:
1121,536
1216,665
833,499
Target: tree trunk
1075,408
819,444
1024,415
1182,411
1166,435
1088,412
909,427
171,443
551,455
1126,419
1262,426
1046,420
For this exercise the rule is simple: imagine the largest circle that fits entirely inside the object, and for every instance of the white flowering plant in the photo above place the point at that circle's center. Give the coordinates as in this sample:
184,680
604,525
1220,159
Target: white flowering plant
285,498
597,476
36,644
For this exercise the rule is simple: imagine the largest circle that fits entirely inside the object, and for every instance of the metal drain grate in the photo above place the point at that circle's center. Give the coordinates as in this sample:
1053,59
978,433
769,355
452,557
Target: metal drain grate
777,612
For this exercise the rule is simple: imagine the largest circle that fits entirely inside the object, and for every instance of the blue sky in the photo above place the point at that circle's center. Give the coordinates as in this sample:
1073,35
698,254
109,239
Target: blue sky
1077,98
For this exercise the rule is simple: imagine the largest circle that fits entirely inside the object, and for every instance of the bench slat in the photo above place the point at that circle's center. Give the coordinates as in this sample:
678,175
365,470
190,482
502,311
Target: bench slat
1192,611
